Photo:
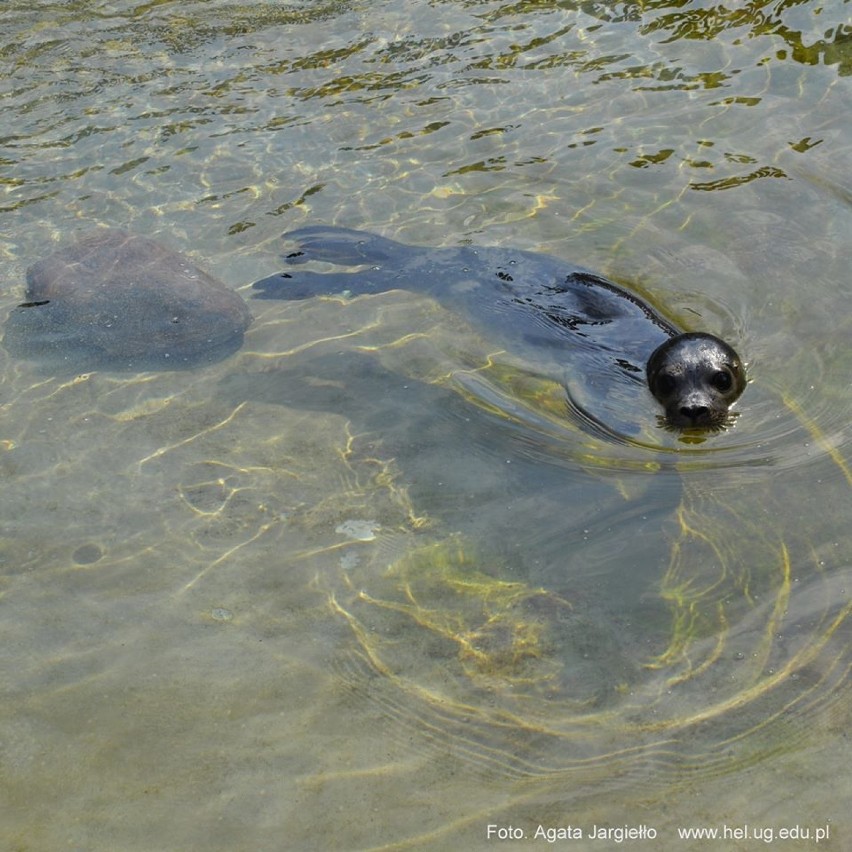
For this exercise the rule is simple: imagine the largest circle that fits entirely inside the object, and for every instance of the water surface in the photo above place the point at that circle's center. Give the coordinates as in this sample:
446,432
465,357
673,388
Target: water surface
365,583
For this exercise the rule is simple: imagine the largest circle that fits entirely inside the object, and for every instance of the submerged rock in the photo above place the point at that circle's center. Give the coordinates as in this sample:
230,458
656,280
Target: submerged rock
117,300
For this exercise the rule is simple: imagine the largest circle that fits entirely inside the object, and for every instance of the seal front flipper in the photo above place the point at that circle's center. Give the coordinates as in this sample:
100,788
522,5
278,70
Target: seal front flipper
344,247
299,285
295,286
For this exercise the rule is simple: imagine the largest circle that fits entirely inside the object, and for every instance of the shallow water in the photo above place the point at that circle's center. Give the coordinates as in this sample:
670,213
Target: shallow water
364,583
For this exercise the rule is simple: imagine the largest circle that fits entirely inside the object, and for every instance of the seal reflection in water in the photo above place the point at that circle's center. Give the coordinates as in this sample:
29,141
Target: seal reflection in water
592,326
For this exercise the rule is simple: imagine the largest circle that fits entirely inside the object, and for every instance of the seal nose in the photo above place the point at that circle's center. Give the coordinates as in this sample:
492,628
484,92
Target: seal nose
694,413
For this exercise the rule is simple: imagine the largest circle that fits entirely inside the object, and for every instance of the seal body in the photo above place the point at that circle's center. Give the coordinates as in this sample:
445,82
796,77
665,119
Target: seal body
595,329
123,301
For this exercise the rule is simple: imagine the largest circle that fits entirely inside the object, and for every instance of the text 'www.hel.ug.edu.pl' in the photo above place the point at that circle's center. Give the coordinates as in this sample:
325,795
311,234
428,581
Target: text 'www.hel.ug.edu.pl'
627,833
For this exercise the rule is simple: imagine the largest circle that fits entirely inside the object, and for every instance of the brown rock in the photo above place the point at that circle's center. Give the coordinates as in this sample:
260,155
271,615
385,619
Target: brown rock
116,300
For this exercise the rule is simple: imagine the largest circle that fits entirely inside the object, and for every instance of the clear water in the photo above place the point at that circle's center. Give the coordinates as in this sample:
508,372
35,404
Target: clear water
362,585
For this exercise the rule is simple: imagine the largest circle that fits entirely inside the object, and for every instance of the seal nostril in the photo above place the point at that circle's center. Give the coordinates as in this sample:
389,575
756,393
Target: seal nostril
694,412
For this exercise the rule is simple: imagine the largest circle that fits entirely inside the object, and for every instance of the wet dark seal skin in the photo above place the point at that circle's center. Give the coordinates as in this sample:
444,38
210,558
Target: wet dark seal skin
695,377
602,334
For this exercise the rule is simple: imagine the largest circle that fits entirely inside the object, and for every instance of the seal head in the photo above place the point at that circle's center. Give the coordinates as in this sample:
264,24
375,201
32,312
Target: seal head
696,377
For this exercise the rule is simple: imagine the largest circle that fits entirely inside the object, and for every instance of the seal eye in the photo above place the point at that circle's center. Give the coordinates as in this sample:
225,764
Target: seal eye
722,381
665,384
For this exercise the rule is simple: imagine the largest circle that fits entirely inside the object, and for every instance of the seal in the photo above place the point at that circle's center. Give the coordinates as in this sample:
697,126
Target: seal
121,301
695,377
604,335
